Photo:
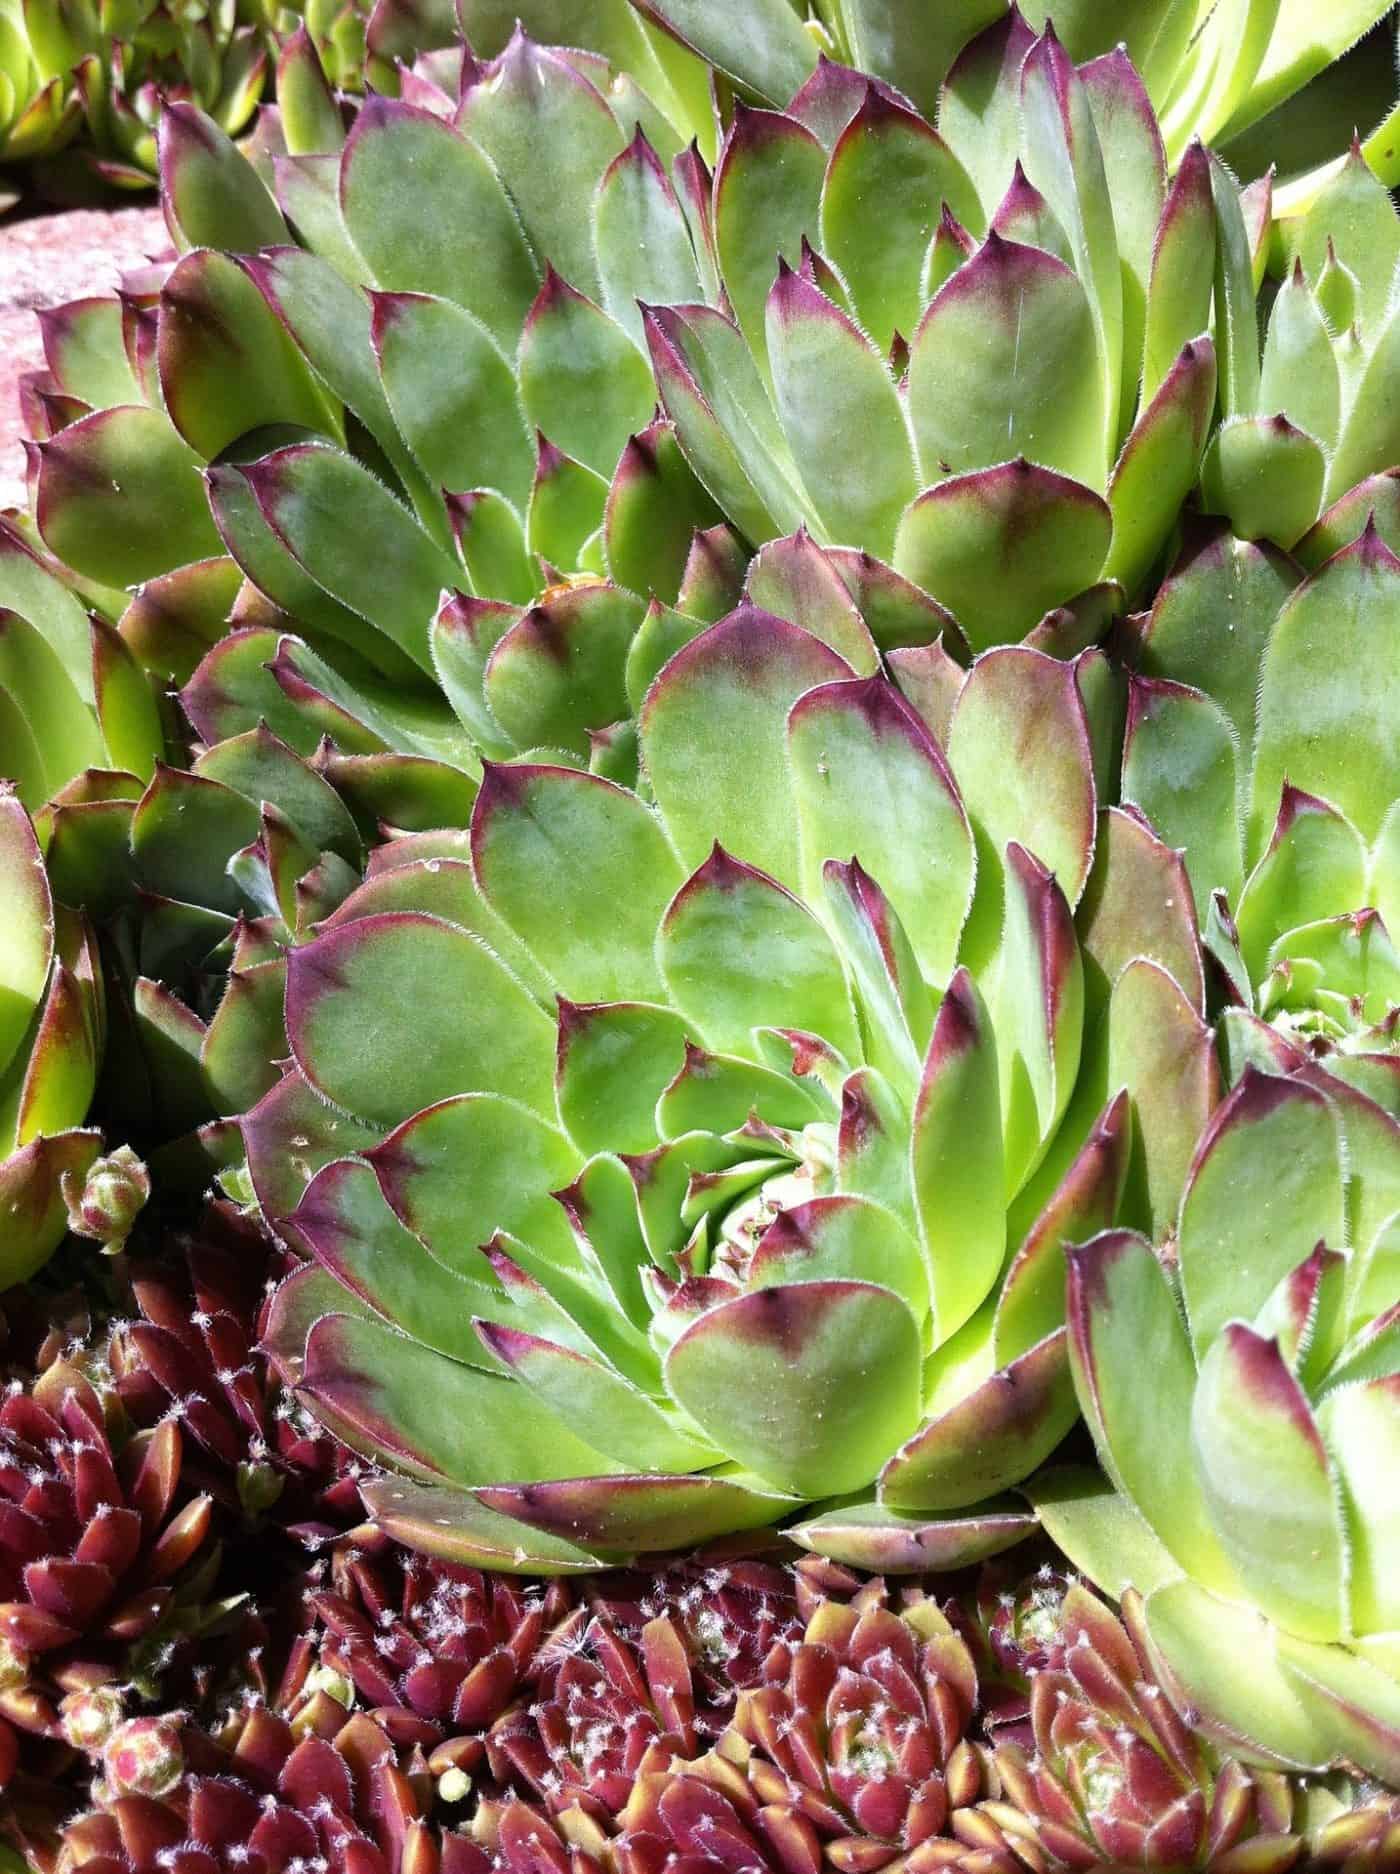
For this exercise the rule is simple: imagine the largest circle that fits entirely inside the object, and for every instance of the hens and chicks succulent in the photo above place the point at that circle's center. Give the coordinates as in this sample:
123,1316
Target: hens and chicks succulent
711,711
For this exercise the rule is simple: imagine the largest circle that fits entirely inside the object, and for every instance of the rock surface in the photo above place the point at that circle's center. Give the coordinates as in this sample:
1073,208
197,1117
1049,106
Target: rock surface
44,262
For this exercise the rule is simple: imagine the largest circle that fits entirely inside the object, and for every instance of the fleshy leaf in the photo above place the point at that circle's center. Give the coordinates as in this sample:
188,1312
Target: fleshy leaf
580,870
871,783
458,1019
808,1384
739,952
1123,1322
1269,1484
713,731
1002,546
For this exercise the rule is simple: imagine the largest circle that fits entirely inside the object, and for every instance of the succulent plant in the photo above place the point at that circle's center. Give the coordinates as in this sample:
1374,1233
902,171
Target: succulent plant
335,1787
72,695
1271,1338
644,1669
1207,77
1113,1775
107,1568
1244,747
189,1356
52,1021
95,77
752,1179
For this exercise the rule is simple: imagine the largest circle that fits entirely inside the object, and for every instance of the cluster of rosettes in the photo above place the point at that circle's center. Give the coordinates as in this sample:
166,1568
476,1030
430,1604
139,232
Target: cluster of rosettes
190,1354
855,1739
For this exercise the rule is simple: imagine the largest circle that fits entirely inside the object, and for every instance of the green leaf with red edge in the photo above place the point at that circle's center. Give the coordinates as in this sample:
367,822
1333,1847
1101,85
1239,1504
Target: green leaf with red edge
738,952
1315,866
270,566
1211,620
538,100
581,871
47,603
784,1379
1356,1700
566,510
210,193
356,540
1038,1013
473,250
957,1159
415,1410
979,103
227,363
1062,156
1161,1050
330,316
800,581
185,830
60,1074
713,733
561,670
1123,1322
872,1158
597,1403
1004,1426
490,536
462,1170
718,1092
655,507
641,238
894,1001
1182,279
888,154
1329,692
310,116
119,497
387,1014
1269,1484
842,1239
1002,546
30,1190
767,196
85,352
870,782
1266,476
766,49
582,380
1181,767
466,428
444,887
462,637
1158,464
1004,364
1299,375
1020,750
873,1536
1138,903
456,1528
1135,169
710,388
1268,1172
615,1061
289,1135
1099,1530
1223,1661
841,415
344,1222
1031,1304
641,1512
50,734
